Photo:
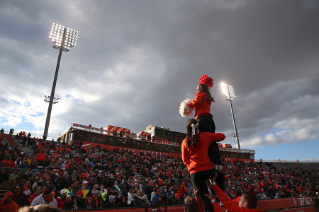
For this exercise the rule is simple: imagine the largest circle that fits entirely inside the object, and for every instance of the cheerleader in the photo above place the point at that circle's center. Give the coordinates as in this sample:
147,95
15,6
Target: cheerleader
201,104
194,156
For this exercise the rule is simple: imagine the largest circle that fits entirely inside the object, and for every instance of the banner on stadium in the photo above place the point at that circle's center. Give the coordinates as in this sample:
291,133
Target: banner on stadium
303,201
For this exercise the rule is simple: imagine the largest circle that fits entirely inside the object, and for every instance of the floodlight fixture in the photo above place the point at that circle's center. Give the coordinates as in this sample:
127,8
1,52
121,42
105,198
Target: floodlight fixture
65,37
229,93
62,39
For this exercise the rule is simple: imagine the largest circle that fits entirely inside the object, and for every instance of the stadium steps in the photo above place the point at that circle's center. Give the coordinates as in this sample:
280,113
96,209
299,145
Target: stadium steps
293,166
10,140
26,150
314,166
289,166
17,141
2,193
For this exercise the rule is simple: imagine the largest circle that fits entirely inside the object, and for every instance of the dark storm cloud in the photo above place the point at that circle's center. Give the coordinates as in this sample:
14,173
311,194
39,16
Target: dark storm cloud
135,62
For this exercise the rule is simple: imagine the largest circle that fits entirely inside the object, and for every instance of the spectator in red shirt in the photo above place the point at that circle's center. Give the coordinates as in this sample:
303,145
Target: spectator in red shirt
181,191
40,158
38,191
62,198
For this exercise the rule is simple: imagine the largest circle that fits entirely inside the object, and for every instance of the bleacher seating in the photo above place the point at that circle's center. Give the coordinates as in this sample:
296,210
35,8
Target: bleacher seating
159,171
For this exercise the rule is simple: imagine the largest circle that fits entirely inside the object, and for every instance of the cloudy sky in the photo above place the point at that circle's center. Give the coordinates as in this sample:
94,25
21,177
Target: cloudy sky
137,60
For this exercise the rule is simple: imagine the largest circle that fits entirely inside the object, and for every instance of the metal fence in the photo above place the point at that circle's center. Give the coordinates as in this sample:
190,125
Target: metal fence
33,171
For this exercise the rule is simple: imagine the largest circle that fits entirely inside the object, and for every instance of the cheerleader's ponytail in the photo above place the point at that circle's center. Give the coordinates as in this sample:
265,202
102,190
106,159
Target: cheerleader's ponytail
191,132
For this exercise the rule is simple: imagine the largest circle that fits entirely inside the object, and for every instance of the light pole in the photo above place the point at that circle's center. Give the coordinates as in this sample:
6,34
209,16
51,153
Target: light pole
229,93
62,39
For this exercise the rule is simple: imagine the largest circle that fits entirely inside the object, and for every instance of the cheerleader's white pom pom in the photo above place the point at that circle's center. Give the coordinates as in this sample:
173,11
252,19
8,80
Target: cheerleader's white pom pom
184,109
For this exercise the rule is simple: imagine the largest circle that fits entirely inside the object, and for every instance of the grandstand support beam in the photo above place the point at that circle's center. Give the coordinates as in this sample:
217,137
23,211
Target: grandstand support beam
47,122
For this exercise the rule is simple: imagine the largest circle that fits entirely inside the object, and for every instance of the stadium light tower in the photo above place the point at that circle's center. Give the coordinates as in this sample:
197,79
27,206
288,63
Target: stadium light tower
62,39
229,93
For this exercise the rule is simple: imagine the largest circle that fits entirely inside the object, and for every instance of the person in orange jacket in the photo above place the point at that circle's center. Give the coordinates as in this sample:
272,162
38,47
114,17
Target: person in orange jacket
247,202
40,158
180,191
195,157
7,204
7,162
184,187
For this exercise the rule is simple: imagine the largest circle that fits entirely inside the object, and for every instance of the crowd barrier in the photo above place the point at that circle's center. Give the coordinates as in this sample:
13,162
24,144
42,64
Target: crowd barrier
305,204
180,209
175,208
33,171
42,170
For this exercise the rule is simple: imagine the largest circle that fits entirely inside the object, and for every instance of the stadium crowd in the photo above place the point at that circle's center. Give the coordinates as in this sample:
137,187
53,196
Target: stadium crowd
75,177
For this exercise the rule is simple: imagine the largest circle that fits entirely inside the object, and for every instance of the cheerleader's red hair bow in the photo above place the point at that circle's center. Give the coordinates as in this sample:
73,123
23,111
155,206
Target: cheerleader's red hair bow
206,80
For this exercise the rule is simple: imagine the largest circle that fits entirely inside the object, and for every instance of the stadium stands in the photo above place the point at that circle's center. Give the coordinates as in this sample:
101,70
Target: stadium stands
114,173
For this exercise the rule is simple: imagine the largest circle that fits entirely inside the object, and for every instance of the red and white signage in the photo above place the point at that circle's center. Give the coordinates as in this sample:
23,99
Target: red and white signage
227,146
144,134
117,129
